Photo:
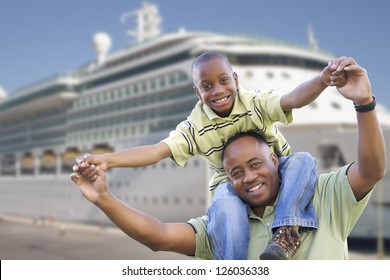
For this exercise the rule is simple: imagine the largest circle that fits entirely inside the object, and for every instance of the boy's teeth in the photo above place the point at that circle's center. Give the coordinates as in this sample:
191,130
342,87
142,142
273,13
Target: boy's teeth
220,100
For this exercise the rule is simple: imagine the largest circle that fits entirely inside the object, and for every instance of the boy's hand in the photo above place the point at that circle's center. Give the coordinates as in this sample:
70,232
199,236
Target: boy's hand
97,160
89,159
85,170
333,75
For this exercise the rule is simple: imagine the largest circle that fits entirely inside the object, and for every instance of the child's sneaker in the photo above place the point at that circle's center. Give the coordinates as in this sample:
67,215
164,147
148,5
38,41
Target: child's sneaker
283,244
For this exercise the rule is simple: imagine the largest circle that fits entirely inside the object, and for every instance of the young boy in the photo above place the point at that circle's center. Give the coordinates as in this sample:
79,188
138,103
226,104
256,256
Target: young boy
224,110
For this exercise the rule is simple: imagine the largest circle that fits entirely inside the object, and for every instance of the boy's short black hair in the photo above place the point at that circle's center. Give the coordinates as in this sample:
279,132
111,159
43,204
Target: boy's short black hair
259,138
204,57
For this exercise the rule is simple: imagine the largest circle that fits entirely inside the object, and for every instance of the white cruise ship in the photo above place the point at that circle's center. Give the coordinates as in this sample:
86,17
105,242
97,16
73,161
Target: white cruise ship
136,96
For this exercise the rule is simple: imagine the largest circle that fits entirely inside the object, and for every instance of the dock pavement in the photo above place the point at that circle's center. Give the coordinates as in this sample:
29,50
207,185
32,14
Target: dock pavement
29,239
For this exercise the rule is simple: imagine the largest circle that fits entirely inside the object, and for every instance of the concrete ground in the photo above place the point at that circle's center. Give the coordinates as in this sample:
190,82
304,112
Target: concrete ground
26,239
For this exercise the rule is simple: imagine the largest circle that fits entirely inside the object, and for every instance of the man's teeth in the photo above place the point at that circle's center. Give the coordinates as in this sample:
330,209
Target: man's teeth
221,100
255,188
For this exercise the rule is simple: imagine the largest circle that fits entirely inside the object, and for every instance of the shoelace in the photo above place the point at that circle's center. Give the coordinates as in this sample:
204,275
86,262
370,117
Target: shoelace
287,238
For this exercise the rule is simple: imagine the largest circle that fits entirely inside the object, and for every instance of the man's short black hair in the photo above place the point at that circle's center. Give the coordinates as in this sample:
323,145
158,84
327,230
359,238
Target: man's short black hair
259,138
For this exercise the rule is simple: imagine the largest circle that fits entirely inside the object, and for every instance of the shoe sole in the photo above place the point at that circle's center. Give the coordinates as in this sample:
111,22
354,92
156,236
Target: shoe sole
273,252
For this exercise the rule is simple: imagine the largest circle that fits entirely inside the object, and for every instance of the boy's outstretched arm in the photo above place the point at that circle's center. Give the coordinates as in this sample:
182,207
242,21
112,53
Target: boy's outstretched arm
308,91
134,157
148,230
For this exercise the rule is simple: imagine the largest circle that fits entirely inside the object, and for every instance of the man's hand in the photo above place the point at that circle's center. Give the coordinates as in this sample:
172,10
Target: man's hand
358,86
331,75
95,189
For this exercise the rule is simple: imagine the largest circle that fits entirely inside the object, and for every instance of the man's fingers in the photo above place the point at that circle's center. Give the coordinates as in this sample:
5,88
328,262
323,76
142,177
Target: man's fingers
80,167
76,178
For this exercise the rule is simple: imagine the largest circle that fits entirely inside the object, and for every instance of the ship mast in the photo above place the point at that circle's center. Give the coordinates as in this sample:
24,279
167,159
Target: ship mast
147,20
312,39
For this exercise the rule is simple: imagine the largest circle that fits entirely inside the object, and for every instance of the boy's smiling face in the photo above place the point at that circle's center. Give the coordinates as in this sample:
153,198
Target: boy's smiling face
216,85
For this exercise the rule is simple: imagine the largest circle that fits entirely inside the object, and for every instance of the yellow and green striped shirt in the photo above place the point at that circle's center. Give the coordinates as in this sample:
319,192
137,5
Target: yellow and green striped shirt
205,134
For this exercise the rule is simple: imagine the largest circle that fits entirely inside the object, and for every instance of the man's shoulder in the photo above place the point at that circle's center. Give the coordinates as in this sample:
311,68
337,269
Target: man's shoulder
337,176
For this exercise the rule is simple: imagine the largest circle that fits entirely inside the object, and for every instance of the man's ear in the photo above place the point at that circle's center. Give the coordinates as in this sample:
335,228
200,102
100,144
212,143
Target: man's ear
196,92
275,160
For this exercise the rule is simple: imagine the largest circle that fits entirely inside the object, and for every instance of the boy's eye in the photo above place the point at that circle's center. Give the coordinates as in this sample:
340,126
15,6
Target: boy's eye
225,80
206,86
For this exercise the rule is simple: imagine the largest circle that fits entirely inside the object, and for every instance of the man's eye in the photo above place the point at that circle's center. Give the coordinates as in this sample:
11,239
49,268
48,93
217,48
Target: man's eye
236,175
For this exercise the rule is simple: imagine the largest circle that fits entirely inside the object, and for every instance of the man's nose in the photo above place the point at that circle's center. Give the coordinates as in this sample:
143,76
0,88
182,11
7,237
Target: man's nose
249,176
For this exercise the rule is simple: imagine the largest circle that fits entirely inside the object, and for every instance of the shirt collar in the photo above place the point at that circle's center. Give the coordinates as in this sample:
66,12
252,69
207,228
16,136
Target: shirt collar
269,210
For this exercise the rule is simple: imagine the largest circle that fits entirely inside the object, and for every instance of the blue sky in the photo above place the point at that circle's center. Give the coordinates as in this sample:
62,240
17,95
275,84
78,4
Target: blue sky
43,37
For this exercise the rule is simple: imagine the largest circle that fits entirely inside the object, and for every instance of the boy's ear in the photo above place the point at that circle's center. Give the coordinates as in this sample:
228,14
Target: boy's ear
235,77
196,92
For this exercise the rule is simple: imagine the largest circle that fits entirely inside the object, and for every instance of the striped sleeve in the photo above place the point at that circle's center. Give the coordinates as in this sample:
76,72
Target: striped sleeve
181,142
267,103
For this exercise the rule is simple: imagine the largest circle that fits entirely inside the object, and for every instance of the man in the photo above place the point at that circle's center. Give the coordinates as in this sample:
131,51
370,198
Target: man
252,168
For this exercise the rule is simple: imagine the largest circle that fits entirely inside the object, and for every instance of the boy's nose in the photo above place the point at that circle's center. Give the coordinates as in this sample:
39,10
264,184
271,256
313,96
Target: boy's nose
219,89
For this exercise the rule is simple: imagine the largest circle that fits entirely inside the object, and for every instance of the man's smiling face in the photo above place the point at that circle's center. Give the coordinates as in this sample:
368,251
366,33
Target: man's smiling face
252,168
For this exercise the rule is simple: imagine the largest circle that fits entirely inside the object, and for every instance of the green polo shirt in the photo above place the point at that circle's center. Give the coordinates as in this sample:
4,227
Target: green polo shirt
337,212
204,133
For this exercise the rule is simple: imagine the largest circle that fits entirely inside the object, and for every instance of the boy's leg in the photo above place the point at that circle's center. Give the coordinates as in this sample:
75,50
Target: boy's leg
228,225
294,207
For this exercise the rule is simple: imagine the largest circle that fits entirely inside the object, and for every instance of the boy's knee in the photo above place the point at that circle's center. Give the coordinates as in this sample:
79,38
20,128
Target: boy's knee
226,202
303,156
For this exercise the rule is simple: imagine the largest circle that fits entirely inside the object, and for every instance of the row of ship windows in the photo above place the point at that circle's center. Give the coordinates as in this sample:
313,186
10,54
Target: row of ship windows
45,118
118,117
118,133
122,130
174,98
30,140
130,90
33,123
137,55
164,200
57,127
108,96
130,199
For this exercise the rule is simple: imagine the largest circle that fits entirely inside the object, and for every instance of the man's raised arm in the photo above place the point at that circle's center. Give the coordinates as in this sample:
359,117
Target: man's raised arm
370,166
